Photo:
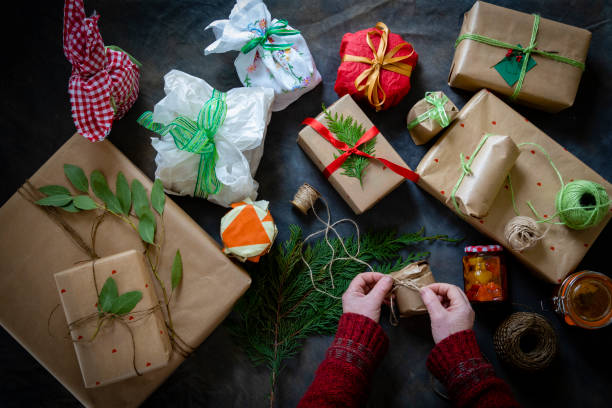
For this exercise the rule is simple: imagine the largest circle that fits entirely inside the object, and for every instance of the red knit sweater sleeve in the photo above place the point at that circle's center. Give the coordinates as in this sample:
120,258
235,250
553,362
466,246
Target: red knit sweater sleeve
470,380
343,378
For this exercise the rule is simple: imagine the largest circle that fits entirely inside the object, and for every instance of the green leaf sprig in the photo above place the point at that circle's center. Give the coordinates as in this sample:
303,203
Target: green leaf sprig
111,305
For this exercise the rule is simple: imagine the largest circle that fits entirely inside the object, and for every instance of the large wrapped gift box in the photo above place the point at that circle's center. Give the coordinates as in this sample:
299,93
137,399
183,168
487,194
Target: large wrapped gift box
549,85
533,178
34,247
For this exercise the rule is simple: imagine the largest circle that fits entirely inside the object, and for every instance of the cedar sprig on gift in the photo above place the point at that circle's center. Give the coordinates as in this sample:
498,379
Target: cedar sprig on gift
349,131
132,206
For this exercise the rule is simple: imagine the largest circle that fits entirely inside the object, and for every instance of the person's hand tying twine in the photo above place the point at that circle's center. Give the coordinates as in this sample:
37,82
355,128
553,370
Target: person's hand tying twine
366,294
449,310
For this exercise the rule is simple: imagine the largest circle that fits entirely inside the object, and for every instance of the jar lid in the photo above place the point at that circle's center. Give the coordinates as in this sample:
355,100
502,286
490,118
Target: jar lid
484,248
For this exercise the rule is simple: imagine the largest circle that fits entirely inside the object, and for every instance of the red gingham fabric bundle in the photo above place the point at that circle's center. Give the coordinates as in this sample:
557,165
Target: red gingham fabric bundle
104,82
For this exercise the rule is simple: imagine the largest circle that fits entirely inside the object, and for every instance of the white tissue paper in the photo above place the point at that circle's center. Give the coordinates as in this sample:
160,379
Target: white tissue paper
291,72
239,140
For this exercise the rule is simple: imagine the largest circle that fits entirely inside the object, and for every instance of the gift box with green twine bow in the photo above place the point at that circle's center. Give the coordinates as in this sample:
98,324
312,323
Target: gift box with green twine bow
429,116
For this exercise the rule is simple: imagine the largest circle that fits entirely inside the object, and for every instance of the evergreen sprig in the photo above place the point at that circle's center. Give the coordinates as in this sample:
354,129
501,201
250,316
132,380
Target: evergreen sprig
347,130
281,308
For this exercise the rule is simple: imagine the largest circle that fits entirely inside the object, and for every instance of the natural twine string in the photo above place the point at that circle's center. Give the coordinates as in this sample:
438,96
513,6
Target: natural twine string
408,283
523,233
305,198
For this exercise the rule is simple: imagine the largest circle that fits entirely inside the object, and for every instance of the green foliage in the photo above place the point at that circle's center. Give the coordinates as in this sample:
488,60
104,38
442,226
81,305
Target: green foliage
139,195
77,177
109,300
83,202
108,293
349,131
54,190
177,270
99,185
58,200
281,308
158,198
124,195
146,227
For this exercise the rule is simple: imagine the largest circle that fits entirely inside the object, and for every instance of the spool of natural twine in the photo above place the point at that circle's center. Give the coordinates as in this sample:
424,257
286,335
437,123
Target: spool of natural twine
305,198
522,233
526,341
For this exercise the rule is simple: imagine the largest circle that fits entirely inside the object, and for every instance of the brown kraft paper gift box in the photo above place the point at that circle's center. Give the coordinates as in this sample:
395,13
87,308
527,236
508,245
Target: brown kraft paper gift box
427,129
409,301
533,178
551,85
112,355
210,287
378,181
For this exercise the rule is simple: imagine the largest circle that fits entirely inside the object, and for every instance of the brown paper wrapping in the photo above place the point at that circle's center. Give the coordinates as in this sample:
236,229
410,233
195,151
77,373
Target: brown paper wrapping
550,85
211,282
533,178
377,180
426,130
409,301
490,168
109,357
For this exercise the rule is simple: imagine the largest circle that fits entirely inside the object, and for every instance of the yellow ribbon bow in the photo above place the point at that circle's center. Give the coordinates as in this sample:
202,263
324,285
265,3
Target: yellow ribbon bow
380,61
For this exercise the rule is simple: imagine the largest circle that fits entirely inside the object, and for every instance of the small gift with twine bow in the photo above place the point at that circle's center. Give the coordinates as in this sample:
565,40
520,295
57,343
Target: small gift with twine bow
376,66
406,285
429,116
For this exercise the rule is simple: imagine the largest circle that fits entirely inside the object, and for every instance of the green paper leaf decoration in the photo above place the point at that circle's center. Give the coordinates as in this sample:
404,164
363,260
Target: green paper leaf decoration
139,195
54,190
158,197
146,227
108,294
77,177
58,200
84,202
126,302
124,194
71,208
509,68
177,270
99,185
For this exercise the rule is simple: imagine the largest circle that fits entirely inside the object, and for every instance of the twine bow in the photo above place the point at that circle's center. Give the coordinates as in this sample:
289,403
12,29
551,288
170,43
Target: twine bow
437,113
387,61
349,150
279,28
527,51
466,169
197,137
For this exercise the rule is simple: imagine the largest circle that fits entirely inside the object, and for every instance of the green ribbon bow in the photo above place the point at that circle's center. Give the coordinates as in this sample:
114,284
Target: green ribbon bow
466,170
278,29
197,137
437,113
527,51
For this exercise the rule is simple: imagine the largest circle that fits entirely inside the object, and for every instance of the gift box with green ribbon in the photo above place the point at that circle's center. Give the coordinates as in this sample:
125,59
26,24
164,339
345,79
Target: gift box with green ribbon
532,60
429,116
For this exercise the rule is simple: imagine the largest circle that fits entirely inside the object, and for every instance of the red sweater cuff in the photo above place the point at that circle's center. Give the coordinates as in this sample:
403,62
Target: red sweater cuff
447,354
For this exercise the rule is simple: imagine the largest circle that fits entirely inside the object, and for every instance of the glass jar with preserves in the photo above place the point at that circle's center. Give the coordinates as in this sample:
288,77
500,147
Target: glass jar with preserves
584,299
484,273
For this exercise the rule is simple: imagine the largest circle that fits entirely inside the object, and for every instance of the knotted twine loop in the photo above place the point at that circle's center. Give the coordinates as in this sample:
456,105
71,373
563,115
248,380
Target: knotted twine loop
279,28
380,60
197,137
437,113
526,341
527,51
406,282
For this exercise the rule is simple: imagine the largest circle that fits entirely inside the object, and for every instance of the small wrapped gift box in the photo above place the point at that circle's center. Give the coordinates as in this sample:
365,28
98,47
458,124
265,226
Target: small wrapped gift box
406,283
537,62
535,183
122,346
429,116
361,178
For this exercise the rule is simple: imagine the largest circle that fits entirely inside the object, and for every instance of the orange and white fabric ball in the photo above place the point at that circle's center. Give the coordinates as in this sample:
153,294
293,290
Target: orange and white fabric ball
248,230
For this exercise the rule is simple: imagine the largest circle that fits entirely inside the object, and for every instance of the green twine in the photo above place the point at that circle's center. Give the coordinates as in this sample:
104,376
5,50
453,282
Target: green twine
527,51
279,29
437,113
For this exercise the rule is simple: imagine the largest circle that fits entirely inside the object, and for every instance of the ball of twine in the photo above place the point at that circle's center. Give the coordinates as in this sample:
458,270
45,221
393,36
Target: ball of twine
305,198
522,233
526,341
582,204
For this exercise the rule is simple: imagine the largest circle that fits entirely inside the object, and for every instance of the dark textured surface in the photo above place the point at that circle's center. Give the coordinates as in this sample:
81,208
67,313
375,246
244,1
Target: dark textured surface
170,34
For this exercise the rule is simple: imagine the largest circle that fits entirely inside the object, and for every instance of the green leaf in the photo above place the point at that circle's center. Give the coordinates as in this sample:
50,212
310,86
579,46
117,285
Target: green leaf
146,227
158,198
124,195
177,269
100,188
108,294
70,208
54,190
126,302
139,195
84,202
58,200
77,177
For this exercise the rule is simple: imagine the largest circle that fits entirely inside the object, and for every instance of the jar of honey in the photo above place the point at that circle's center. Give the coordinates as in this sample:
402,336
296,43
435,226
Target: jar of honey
584,299
484,273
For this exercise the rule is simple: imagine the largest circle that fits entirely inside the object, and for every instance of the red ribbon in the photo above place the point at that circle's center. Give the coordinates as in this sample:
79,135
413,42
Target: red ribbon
348,150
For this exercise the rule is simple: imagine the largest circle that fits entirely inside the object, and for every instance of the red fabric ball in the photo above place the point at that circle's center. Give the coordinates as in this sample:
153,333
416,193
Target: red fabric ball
395,85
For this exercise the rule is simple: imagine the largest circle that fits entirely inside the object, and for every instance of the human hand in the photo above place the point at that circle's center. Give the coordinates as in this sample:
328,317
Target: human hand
366,294
449,310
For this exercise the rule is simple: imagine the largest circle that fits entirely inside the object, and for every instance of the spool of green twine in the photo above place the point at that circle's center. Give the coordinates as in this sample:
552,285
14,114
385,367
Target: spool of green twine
582,204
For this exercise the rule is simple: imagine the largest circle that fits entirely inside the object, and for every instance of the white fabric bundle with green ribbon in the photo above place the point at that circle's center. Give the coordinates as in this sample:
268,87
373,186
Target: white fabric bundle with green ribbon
210,142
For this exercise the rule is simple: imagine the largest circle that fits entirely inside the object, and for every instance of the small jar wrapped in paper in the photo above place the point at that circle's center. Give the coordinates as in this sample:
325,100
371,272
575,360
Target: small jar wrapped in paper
406,285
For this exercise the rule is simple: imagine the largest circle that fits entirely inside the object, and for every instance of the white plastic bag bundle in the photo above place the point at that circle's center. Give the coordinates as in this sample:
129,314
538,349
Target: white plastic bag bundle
272,54
239,140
